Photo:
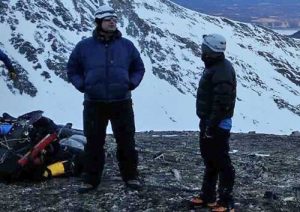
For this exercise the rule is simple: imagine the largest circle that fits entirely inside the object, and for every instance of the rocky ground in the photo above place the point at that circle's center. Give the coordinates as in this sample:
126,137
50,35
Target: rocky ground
267,168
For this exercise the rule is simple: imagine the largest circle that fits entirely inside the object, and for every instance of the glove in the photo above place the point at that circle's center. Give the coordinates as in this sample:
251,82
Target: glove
12,74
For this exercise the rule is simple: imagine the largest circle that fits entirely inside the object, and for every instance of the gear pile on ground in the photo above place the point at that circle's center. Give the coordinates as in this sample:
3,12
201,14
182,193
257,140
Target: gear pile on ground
33,147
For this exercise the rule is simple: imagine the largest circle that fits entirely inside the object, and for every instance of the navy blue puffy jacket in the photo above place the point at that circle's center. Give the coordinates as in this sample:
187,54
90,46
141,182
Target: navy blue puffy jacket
105,71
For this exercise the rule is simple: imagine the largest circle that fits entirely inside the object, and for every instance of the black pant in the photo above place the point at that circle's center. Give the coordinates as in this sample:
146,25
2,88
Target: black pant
215,153
96,116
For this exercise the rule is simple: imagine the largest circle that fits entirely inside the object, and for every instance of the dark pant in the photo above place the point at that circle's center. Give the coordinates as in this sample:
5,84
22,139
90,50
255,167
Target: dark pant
215,153
96,116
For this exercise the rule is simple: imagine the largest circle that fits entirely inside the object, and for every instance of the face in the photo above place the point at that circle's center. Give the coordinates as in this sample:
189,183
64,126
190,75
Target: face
109,24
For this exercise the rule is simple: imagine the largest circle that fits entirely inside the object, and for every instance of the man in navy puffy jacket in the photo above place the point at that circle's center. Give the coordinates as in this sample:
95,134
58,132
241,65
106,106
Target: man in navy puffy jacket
106,68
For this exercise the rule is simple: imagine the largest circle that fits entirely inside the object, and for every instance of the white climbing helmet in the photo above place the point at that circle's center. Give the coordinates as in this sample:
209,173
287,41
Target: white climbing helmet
104,11
215,42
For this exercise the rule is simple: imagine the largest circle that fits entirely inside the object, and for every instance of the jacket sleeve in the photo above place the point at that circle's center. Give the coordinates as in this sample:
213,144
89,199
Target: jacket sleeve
223,92
75,69
4,58
136,69
198,103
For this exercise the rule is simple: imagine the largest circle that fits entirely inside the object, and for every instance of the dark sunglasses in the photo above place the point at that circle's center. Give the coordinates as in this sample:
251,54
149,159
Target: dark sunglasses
111,18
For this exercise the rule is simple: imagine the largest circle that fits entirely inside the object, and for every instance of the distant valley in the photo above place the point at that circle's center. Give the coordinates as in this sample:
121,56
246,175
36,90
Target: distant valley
274,14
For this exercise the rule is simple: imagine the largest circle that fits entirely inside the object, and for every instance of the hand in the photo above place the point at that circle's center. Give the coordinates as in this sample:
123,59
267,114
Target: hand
131,86
12,75
208,133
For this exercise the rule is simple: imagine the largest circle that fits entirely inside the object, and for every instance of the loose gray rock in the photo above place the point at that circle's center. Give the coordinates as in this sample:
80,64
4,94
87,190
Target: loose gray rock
278,173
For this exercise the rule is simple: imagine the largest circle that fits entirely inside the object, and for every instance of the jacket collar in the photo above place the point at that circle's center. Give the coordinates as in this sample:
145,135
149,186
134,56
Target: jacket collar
99,35
210,61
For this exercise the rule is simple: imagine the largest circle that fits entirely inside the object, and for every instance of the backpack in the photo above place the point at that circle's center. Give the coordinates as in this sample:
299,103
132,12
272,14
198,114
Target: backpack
26,147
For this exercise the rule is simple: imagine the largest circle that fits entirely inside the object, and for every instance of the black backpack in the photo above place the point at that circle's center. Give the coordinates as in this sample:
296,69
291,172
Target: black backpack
27,131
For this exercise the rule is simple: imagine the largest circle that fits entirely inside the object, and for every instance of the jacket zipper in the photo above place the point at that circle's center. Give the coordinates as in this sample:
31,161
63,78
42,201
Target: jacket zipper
106,71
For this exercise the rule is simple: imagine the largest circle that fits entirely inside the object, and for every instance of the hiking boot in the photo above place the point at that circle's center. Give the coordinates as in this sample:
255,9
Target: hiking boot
223,207
134,184
198,202
90,182
85,188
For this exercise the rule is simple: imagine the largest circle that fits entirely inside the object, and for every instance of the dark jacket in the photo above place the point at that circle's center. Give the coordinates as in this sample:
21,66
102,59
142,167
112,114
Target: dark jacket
105,70
6,61
216,92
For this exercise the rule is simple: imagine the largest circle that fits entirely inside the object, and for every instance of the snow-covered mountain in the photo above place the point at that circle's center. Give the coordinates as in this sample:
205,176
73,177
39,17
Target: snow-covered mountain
39,36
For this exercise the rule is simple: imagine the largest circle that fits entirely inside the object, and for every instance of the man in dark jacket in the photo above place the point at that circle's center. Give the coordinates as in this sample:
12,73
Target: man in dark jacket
11,71
215,105
106,68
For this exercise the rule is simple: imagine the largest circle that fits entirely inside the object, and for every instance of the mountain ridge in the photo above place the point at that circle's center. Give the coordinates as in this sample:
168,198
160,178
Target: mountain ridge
274,14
